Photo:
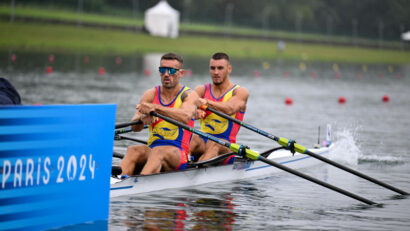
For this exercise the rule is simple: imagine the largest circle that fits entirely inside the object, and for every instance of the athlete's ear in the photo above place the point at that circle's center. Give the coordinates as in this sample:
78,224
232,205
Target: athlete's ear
182,71
229,68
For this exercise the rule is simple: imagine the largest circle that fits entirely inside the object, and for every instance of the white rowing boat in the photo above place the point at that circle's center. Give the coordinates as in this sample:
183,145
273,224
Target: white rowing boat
240,169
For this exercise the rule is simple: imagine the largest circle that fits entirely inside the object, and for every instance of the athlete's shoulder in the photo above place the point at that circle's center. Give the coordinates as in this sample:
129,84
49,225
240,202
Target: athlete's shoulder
241,90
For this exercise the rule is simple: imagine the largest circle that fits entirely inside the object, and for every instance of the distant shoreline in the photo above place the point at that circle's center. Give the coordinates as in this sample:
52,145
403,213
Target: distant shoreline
218,34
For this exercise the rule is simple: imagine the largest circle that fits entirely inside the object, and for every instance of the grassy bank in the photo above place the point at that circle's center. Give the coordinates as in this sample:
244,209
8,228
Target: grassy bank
72,39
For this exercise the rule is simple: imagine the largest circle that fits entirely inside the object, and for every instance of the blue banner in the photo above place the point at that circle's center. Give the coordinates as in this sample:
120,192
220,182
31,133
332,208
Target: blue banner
55,165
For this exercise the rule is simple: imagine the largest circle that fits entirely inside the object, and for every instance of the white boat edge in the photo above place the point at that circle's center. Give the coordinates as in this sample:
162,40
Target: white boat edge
197,176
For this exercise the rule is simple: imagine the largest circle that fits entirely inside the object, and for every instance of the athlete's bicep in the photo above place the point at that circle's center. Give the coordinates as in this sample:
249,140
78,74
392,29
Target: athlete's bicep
148,96
190,102
239,99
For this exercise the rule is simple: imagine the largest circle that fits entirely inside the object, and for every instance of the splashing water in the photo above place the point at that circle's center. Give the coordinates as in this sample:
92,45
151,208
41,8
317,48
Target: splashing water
345,148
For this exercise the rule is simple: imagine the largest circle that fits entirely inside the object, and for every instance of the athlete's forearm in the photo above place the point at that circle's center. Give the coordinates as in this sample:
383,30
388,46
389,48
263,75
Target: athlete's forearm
178,114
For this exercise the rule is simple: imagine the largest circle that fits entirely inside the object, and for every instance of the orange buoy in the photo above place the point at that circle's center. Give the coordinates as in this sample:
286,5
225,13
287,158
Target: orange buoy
256,74
288,101
86,60
118,60
101,71
49,70
286,74
147,72
188,72
13,57
313,74
51,58
342,100
385,98
337,75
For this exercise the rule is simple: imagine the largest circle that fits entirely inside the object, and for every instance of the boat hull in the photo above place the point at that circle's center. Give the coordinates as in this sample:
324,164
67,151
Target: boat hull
198,176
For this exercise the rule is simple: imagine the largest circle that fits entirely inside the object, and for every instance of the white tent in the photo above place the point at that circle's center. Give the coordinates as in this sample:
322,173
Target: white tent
406,36
162,20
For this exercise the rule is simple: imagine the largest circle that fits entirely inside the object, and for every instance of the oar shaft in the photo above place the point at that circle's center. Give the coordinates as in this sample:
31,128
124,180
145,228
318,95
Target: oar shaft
303,150
256,156
123,130
118,155
314,180
132,139
359,174
123,125
250,127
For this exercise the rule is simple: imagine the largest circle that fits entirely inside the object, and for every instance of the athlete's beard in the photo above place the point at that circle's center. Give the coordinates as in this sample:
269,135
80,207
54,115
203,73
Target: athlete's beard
169,86
217,83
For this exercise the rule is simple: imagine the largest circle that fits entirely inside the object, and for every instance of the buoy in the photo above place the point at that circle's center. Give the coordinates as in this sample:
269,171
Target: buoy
385,98
399,75
86,60
51,58
118,60
342,100
359,75
49,70
337,75
256,74
13,57
147,72
313,74
380,75
188,72
101,71
36,104
288,101
286,74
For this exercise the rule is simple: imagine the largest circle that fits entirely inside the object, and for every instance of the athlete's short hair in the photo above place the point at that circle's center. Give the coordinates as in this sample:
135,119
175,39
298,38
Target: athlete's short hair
173,56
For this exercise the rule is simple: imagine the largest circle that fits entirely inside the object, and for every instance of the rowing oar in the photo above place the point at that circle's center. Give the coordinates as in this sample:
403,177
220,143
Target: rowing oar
122,130
242,150
130,138
299,148
123,125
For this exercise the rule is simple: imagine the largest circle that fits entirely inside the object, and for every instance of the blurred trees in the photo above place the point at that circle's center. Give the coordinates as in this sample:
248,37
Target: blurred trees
361,18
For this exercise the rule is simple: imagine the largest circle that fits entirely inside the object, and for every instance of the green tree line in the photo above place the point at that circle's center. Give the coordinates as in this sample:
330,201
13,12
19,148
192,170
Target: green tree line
386,19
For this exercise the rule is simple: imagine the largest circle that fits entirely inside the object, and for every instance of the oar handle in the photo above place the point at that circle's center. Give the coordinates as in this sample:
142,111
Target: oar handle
123,125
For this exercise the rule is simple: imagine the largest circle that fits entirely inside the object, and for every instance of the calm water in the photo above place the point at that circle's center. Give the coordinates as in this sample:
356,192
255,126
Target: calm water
370,136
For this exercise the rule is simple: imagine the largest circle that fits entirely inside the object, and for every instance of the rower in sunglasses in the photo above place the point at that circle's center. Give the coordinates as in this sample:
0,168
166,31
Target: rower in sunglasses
168,144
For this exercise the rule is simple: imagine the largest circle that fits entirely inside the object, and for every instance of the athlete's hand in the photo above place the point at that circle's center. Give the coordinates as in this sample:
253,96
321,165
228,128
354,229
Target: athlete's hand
147,120
200,114
146,108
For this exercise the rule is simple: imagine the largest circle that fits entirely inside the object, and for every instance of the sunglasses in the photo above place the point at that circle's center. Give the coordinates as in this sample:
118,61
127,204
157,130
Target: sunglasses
171,70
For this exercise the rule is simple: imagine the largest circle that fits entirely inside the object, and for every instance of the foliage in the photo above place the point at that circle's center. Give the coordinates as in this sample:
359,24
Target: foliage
54,38
370,18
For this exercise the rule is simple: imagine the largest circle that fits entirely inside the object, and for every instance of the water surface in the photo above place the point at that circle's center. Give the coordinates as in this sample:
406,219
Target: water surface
370,136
